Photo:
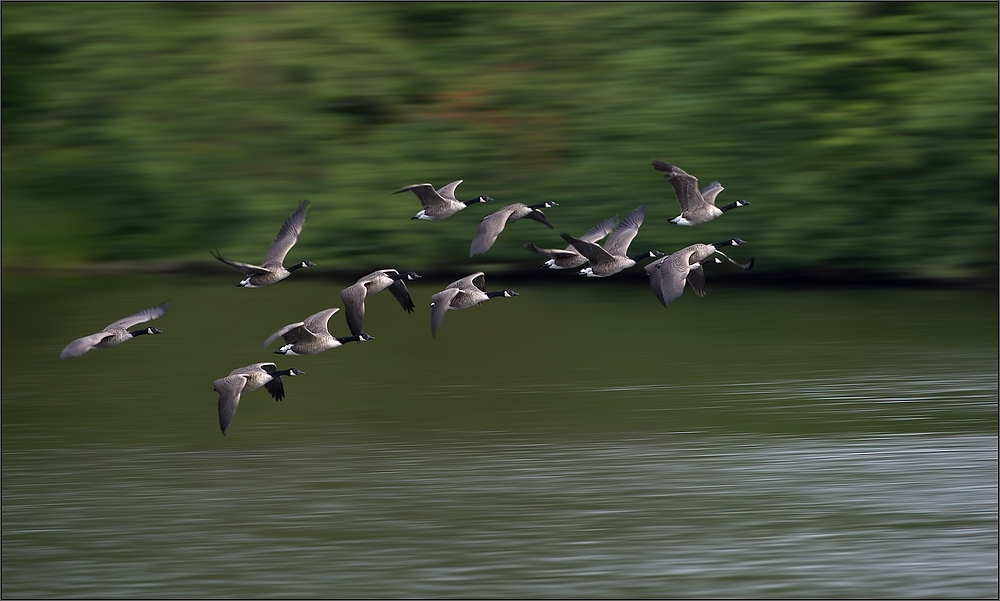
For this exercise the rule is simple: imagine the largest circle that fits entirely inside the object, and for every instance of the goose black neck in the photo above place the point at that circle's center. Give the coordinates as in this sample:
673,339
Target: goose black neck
724,243
732,205
346,339
135,333
281,372
469,203
296,266
495,293
540,205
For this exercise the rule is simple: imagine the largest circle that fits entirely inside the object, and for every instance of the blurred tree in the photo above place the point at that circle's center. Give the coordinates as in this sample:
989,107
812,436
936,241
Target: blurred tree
158,131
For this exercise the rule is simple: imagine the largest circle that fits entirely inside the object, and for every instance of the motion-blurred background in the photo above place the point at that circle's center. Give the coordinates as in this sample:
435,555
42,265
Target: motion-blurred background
864,135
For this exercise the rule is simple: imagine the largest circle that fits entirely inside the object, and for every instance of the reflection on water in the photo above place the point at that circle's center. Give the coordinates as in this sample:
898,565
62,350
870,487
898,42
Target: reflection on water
825,447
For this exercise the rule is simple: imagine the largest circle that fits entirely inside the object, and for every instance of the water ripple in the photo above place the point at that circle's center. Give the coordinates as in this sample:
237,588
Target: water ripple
502,515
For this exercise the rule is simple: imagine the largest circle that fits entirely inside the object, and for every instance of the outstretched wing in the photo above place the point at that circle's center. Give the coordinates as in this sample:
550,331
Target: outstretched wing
441,301
317,322
555,253
428,196
674,273
229,388
281,333
449,190
245,268
287,236
696,279
82,345
477,279
399,290
489,228
593,251
141,317
353,298
684,184
619,240
276,388
600,230
710,191
537,215
655,276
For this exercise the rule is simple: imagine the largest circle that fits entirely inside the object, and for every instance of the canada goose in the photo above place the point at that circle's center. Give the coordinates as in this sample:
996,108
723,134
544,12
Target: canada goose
696,206
491,225
668,275
439,204
373,283
311,337
570,258
117,332
247,379
271,270
611,258
462,294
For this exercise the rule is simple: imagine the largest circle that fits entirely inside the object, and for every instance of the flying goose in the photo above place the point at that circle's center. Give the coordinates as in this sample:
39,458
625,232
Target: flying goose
117,332
612,257
271,270
248,379
491,225
462,294
373,283
696,206
439,204
570,258
668,275
311,337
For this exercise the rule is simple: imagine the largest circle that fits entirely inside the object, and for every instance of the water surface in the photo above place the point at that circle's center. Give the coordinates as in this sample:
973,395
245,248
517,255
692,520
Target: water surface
576,441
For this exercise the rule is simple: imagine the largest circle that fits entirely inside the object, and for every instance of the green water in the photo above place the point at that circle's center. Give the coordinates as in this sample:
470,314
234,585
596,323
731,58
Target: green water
577,440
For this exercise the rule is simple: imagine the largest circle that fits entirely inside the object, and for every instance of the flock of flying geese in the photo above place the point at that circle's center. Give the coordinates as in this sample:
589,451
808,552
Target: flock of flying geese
667,276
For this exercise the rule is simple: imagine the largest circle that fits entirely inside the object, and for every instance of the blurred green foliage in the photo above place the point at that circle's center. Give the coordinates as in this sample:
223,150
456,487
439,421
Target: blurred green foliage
864,135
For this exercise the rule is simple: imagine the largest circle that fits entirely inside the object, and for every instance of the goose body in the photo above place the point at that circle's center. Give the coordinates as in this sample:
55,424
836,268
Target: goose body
117,332
354,296
462,294
668,275
491,225
272,269
611,258
311,337
697,206
571,258
247,379
439,204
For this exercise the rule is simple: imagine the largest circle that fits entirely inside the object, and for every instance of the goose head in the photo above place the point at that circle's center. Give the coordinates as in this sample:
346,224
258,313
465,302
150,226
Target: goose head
649,254
409,276
149,330
731,242
508,293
